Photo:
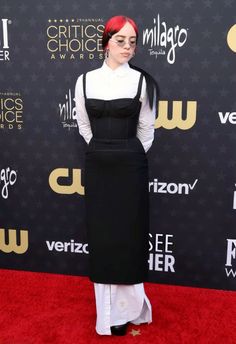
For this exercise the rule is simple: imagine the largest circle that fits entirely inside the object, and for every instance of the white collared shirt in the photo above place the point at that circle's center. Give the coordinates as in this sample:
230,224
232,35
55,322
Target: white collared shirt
106,83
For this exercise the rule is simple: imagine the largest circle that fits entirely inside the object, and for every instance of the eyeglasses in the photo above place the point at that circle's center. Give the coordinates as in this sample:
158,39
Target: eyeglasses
121,42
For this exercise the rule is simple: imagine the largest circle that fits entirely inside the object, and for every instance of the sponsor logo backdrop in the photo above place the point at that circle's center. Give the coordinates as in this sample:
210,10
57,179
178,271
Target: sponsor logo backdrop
189,47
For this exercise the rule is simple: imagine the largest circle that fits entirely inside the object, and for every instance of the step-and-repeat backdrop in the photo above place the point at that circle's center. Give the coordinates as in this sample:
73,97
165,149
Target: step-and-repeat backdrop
190,48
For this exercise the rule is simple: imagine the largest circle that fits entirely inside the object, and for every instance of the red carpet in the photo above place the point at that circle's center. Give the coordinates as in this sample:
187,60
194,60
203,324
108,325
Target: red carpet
40,308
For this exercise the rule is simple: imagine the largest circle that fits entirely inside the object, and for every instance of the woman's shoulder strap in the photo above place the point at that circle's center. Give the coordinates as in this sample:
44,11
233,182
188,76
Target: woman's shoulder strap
84,85
140,86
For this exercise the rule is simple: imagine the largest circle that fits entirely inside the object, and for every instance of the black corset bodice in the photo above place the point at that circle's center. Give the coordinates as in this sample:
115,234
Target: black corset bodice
116,118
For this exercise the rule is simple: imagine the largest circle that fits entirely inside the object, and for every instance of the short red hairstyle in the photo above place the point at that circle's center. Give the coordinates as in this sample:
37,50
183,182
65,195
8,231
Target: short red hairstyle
115,24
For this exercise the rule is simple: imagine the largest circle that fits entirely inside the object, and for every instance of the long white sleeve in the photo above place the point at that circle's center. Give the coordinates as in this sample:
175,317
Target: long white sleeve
81,113
145,128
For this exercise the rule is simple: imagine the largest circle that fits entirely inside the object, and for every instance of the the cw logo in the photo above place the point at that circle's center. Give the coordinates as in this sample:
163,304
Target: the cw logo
177,120
74,187
12,241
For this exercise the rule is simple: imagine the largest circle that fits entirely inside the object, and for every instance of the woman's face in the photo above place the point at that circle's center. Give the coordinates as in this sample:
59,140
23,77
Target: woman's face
121,46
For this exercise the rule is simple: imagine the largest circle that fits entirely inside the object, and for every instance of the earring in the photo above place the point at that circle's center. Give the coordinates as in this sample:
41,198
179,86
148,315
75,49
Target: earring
107,53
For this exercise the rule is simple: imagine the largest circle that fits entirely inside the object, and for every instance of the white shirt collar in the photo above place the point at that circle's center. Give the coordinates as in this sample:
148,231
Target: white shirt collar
119,71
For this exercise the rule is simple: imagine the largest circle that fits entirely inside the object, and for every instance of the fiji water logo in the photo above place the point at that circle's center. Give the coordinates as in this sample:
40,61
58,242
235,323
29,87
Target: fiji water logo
163,40
67,112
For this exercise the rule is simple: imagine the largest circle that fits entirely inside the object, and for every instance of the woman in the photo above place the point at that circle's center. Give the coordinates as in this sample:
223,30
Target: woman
115,113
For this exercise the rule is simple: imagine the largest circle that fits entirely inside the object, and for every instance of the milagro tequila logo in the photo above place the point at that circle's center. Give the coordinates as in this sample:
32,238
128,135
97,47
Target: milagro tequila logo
163,40
67,112
4,44
8,178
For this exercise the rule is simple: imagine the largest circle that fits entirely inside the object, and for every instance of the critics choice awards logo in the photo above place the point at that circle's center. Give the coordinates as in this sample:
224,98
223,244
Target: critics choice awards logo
70,39
163,40
4,40
11,110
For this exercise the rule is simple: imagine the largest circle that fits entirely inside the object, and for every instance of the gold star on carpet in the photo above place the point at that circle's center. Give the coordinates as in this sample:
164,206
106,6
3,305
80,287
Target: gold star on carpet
135,332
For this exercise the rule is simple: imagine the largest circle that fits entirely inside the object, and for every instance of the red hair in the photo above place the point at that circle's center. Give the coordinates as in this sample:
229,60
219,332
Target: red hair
115,24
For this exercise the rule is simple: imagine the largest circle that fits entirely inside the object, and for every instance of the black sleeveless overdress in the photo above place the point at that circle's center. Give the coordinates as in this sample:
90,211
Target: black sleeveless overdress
116,192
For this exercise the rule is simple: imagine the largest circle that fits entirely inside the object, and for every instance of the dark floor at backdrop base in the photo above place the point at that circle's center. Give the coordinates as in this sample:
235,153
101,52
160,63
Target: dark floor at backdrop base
41,308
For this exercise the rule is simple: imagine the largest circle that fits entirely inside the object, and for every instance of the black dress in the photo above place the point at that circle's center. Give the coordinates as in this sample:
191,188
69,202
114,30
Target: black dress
116,192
